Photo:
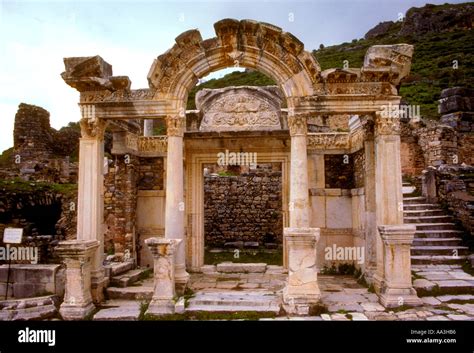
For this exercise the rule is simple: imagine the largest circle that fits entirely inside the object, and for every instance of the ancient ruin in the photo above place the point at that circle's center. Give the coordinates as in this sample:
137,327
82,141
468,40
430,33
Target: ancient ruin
300,172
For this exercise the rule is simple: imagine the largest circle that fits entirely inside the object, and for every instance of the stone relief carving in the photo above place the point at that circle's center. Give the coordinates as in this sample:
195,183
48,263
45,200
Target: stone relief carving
317,141
146,144
297,124
239,109
386,125
175,125
91,125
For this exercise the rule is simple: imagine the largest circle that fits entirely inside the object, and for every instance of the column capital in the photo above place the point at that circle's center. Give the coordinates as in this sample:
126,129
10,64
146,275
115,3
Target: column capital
175,125
297,123
387,123
397,234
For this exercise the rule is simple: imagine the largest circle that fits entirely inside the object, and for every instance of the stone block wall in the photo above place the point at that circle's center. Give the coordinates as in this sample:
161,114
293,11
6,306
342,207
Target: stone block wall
120,200
454,189
338,173
150,173
247,207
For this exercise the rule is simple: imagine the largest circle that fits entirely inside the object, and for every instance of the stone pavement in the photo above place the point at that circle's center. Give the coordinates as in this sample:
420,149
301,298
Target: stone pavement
343,298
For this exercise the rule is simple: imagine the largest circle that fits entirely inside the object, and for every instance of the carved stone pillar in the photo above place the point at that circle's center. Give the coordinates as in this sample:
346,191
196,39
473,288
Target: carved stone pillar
397,289
90,193
163,251
299,196
78,256
302,288
388,181
174,213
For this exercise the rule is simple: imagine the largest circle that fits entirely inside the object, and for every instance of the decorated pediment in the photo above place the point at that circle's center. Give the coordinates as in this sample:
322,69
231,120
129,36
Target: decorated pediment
243,108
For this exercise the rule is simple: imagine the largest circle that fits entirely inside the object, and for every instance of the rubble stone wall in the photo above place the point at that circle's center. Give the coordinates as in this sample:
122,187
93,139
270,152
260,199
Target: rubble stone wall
245,208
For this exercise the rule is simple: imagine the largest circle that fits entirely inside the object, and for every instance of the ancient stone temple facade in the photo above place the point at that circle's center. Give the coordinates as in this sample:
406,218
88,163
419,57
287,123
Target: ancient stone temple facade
313,122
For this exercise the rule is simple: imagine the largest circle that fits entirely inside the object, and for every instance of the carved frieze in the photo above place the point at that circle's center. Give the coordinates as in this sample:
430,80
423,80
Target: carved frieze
329,140
146,144
240,109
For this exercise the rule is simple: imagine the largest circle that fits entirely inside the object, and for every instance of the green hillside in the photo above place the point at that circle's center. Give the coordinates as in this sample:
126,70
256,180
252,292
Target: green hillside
440,35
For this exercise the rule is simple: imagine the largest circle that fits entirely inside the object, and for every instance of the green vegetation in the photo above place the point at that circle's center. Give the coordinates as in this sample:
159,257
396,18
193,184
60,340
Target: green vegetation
19,185
6,158
245,256
206,316
432,64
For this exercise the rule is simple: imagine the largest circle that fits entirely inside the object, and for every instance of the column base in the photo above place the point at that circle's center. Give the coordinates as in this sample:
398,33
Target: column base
300,304
394,297
76,312
181,279
161,307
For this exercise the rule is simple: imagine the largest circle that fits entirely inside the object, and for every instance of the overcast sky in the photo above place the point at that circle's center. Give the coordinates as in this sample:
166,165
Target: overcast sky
35,36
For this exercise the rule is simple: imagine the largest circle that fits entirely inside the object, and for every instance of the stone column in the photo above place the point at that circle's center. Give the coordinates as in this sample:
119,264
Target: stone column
78,256
174,211
302,289
163,251
148,127
90,193
299,195
397,289
371,233
388,183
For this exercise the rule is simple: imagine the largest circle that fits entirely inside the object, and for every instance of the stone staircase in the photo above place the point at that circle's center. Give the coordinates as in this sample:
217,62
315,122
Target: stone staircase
437,239
437,253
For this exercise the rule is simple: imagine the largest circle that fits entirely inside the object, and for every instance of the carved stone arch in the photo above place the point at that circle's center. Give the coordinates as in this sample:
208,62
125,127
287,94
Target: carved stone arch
246,43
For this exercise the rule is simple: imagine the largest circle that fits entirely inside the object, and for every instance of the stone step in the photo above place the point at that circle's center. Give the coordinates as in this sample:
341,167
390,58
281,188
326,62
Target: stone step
427,233
408,189
128,278
439,250
437,259
450,287
414,200
420,206
115,310
118,268
423,212
130,293
428,219
435,226
436,241
234,301
232,267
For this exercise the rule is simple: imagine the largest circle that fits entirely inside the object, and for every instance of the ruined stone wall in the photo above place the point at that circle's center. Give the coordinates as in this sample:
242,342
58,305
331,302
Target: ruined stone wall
40,152
411,153
245,208
339,171
150,173
120,202
455,190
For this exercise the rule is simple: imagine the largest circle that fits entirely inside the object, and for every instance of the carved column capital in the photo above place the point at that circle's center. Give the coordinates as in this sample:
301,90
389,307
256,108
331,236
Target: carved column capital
386,124
175,125
297,123
91,125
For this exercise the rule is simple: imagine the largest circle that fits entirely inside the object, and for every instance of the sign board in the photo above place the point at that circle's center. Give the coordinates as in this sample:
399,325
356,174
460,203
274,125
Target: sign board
12,235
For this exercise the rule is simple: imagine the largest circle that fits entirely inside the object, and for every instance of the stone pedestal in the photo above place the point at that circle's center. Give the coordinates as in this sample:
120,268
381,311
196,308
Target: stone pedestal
163,251
77,255
302,286
396,289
